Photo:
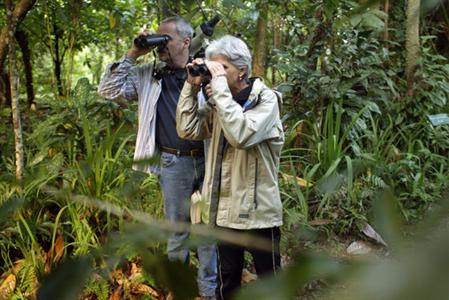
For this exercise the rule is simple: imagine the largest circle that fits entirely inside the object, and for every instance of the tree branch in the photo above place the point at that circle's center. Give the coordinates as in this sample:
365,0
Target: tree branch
19,13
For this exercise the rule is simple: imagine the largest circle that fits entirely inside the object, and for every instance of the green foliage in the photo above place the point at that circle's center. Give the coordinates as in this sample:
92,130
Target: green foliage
67,281
83,146
354,132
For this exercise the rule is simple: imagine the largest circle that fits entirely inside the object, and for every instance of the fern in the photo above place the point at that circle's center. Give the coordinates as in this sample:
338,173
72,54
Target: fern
98,287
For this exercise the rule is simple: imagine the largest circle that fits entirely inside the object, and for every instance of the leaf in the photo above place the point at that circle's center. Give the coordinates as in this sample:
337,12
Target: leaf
318,222
67,281
9,208
301,182
39,157
8,286
330,184
355,20
116,295
370,232
112,21
54,254
247,276
373,21
285,87
59,248
287,282
144,289
177,277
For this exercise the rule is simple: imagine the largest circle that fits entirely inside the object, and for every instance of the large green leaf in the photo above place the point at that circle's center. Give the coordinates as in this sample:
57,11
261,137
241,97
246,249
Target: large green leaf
67,281
176,276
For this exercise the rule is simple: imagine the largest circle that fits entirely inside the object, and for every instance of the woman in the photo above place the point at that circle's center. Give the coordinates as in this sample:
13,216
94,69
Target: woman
240,188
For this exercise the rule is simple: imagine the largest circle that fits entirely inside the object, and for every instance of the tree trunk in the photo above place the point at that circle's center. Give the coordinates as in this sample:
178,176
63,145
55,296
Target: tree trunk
14,83
19,13
75,9
277,41
5,89
412,43
22,40
386,11
260,51
57,59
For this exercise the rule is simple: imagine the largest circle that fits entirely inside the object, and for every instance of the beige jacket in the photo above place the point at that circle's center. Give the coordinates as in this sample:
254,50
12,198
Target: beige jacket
244,192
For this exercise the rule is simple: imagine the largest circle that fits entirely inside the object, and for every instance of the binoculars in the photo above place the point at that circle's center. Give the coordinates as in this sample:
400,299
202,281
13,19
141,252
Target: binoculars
205,30
151,40
198,70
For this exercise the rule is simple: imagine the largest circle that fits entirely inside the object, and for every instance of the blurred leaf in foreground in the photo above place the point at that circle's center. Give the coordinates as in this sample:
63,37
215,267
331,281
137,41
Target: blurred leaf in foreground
67,281
177,277
289,282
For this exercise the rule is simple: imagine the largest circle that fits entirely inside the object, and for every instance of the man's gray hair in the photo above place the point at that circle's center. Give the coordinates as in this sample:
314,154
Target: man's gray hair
234,49
183,28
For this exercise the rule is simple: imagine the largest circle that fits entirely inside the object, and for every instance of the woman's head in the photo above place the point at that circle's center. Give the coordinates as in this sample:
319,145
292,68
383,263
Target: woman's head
234,55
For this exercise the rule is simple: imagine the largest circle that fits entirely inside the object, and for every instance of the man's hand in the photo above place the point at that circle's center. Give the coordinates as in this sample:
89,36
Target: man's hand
135,52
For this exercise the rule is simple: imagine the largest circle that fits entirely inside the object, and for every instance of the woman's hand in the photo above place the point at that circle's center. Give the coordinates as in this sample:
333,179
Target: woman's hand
216,69
208,90
194,80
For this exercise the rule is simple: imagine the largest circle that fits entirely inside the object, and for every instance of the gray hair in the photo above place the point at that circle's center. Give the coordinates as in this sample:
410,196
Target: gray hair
233,48
183,28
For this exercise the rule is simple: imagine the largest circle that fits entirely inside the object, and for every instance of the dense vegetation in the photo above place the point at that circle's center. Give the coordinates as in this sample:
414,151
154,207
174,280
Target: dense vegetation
78,222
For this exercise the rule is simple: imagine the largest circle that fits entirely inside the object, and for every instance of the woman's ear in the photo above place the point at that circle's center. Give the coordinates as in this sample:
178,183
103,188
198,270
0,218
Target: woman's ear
243,73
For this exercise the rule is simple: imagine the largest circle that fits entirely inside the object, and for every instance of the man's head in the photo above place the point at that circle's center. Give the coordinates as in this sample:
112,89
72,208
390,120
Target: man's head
176,52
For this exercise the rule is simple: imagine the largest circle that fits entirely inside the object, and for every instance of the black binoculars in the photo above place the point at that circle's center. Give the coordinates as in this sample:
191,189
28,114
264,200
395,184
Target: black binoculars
198,70
151,40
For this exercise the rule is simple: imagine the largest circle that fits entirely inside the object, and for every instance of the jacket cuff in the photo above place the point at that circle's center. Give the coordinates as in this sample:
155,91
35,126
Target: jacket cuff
219,86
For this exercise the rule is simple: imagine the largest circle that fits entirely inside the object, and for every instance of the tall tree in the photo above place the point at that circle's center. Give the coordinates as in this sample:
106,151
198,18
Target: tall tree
75,11
19,13
277,40
387,17
260,47
22,40
412,42
14,85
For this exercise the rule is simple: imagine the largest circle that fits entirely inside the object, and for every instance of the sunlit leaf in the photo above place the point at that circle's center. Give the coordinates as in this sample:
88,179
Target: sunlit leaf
112,21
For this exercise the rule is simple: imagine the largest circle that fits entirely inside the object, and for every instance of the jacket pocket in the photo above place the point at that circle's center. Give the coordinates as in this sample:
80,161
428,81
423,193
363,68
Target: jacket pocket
249,202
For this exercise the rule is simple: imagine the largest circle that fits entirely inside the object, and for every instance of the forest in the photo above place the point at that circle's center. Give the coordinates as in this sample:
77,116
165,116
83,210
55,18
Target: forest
364,170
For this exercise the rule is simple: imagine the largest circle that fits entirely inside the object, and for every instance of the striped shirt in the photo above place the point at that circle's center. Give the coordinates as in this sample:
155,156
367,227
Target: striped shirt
123,81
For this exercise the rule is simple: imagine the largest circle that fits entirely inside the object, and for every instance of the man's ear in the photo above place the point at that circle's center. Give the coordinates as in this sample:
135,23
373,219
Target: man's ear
187,42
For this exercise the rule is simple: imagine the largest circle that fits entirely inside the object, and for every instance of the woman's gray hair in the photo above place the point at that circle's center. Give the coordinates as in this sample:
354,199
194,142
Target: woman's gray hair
234,49
183,28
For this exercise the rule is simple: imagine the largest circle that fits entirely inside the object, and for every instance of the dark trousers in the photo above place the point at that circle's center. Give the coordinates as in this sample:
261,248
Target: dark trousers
231,260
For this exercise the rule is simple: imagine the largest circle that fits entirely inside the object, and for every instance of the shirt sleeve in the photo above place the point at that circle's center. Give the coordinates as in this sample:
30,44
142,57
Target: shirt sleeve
120,80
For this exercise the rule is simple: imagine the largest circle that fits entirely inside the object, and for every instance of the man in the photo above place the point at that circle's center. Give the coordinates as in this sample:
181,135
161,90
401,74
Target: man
181,170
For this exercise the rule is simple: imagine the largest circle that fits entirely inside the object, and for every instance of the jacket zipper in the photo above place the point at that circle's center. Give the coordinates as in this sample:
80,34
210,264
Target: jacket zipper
255,184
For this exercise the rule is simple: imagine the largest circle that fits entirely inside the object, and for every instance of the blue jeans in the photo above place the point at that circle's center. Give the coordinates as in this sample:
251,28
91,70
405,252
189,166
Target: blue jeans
179,177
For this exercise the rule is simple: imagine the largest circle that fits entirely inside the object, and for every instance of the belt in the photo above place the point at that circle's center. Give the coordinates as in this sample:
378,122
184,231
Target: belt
193,152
